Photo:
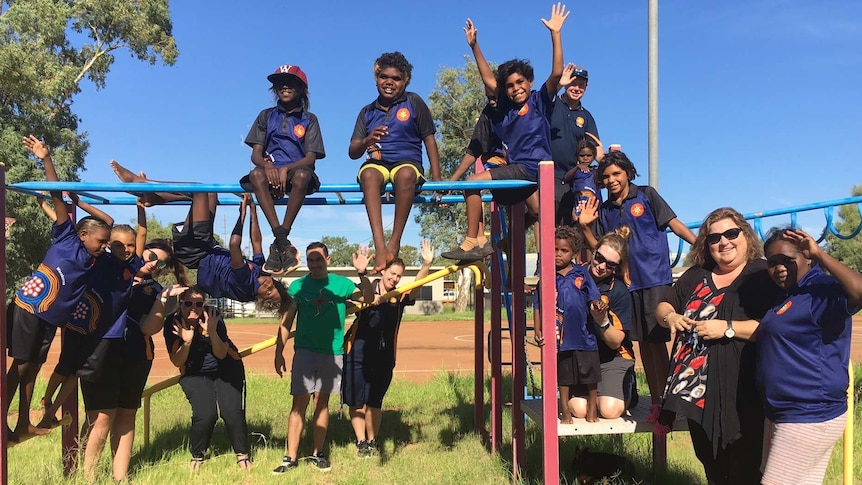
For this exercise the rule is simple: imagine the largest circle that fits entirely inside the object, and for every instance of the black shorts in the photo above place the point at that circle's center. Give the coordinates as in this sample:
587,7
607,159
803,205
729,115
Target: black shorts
366,376
564,203
81,354
512,171
28,337
193,242
645,327
578,367
120,385
313,181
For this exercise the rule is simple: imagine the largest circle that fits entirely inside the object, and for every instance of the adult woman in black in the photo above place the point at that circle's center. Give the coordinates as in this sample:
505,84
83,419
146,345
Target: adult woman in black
213,377
713,308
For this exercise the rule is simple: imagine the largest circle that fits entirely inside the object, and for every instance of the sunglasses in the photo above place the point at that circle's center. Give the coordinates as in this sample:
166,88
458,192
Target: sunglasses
780,260
730,235
152,256
600,258
197,304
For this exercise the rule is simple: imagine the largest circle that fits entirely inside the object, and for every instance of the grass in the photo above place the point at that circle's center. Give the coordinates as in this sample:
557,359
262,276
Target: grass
427,437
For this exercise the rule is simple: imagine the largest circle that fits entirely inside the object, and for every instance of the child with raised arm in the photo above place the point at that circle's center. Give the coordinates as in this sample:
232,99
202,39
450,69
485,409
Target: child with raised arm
319,309
647,214
578,361
49,297
285,142
521,121
390,132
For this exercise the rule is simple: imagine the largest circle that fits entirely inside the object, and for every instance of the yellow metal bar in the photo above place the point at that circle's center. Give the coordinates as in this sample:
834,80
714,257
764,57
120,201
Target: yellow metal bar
848,432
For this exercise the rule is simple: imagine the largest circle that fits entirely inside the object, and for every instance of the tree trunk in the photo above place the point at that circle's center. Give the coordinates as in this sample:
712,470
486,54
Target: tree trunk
465,280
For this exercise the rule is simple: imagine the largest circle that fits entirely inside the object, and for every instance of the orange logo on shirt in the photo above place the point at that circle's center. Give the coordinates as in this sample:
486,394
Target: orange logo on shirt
524,110
403,114
579,282
579,121
605,299
784,308
299,131
637,210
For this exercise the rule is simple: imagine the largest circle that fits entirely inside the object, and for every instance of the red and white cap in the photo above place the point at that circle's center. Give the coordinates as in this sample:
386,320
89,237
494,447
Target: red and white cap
288,70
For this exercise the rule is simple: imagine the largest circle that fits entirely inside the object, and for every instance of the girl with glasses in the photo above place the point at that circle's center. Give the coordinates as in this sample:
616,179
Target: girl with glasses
712,310
213,377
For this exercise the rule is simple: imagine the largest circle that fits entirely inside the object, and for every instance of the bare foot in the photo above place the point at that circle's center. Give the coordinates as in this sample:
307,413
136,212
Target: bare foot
32,430
381,259
125,174
592,413
567,418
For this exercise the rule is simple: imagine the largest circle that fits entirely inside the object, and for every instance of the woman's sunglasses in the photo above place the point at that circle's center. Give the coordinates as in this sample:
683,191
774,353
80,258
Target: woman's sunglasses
152,256
600,258
730,235
188,304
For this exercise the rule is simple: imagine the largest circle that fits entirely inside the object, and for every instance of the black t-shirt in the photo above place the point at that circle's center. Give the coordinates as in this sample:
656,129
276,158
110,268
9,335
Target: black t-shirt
378,326
201,360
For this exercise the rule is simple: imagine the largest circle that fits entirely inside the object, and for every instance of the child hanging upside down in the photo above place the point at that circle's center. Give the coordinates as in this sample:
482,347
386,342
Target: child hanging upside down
285,142
391,131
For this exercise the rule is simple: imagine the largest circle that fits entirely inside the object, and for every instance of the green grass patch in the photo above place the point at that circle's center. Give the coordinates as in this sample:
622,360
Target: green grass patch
427,435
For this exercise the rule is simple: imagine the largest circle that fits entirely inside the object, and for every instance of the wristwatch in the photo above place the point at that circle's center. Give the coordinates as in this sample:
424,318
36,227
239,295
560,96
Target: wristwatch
163,298
606,324
730,332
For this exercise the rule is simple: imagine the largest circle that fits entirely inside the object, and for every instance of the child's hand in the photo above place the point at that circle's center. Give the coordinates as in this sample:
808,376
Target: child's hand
470,31
558,17
376,135
589,213
804,242
568,75
36,146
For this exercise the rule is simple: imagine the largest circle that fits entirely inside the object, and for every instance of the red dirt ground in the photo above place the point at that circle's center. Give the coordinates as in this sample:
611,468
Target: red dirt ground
424,349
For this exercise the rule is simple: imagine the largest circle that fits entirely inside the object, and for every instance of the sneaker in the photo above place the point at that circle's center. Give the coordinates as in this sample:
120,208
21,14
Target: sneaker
286,465
363,450
459,254
290,258
373,447
275,261
321,462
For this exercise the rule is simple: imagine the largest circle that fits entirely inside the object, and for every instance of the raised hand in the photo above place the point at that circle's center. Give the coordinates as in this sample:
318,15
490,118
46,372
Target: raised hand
36,146
558,17
804,242
361,258
186,334
427,252
568,75
173,291
590,212
209,320
470,32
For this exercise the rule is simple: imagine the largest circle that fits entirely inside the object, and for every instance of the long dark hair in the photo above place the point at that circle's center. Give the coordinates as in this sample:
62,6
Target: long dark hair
178,270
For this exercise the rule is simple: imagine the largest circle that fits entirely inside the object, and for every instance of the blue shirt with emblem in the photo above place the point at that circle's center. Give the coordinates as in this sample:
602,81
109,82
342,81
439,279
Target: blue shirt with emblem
408,121
526,129
219,279
803,349
568,127
647,215
286,136
99,311
575,290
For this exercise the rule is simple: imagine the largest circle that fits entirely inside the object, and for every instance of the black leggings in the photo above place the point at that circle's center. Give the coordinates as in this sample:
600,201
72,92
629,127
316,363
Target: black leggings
737,464
213,395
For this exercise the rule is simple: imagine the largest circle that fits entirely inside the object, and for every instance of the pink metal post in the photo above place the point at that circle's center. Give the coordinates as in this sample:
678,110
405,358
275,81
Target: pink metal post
4,464
478,365
550,438
495,344
517,268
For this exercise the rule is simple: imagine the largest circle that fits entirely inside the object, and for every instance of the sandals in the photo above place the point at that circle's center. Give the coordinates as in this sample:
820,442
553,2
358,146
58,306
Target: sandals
244,462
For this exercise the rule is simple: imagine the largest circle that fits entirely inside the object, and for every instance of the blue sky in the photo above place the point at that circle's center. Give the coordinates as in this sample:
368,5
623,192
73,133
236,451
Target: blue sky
759,100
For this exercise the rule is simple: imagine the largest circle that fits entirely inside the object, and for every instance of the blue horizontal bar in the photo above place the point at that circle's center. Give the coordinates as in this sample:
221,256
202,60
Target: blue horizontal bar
311,200
235,188
790,210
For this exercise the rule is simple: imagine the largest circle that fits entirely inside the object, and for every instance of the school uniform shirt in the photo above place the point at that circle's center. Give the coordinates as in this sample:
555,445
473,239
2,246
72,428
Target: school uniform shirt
615,293
53,291
286,136
647,215
320,312
803,347
201,361
575,290
525,129
568,127
98,311
219,279
484,143
408,120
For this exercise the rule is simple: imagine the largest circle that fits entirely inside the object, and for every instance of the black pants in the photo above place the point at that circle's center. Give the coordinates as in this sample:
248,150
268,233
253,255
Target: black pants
737,464
213,395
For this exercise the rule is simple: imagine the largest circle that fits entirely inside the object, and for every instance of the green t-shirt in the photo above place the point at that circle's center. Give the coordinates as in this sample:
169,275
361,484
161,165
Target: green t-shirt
320,314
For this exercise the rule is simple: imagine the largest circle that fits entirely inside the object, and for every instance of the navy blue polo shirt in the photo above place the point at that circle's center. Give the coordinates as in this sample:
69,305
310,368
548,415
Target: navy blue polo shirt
575,290
286,136
647,215
616,294
525,129
219,279
803,347
484,143
568,127
408,120
134,345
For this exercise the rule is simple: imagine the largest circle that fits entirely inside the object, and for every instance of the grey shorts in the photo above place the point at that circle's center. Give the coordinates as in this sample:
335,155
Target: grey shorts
616,380
315,372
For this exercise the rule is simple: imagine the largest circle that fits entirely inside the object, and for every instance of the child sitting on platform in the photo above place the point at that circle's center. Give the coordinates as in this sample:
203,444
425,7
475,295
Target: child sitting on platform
285,141
391,131
521,121
577,351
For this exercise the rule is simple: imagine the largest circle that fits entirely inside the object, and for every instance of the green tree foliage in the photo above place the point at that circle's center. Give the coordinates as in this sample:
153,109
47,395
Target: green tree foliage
848,251
340,250
47,49
455,103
